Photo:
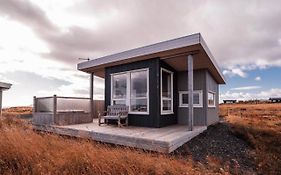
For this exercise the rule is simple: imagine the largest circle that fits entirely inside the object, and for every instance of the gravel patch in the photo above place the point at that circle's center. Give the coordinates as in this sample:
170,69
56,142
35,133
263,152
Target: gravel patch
220,143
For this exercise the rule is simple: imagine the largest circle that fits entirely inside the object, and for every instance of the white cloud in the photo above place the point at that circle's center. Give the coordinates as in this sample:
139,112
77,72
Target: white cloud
17,37
235,72
4,79
62,31
245,88
264,95
258,78
57,12
80,89
250,36
22,56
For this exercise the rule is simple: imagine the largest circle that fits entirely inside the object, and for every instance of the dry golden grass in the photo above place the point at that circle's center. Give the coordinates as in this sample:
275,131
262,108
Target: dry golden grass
16,111
24,151
260,125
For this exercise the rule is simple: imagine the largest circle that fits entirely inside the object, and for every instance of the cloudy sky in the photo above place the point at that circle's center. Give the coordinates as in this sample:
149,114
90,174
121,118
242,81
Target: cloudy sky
40,41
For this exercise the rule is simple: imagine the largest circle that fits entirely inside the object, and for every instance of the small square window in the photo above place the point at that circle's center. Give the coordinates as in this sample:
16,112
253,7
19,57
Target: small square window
211,99
184,98
197,98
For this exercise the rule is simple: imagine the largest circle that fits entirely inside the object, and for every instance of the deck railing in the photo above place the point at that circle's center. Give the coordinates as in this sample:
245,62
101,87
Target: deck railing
43,104
57,104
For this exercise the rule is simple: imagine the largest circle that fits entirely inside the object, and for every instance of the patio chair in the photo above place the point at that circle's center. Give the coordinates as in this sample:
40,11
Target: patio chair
114,112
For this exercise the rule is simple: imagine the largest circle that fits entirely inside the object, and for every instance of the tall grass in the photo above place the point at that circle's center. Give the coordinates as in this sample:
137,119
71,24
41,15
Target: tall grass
24,151
260,125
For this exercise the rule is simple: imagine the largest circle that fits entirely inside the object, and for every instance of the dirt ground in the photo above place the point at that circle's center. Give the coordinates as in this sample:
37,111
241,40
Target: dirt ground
223,146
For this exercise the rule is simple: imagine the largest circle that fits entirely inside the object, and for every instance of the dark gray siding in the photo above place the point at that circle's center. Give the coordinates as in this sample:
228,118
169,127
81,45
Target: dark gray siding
202,81
154,119
199,81
212,112
151,120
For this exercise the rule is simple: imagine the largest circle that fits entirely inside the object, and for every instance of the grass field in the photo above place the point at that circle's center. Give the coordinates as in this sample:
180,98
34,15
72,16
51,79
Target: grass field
260,125
24,151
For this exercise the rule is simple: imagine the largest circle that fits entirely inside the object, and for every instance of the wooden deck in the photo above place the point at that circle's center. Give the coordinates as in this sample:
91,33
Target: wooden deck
166,139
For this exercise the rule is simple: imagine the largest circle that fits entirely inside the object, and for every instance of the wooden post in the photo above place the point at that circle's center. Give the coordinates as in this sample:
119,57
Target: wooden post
34,105
55,106
92,95
1,102
190,91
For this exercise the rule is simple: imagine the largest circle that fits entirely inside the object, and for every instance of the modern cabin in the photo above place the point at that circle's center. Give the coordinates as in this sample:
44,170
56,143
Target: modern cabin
155,82
3,86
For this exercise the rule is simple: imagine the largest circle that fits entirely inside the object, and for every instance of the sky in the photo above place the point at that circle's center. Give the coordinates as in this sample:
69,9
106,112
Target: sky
41,41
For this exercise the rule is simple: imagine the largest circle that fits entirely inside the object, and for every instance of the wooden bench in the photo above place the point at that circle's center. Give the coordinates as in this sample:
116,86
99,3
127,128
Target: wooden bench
115,112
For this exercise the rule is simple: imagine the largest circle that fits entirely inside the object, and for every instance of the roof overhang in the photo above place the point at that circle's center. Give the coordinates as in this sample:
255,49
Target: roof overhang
5,86
174,52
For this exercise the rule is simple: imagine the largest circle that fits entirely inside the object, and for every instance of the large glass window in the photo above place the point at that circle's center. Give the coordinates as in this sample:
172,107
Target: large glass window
138,84
139,91
131,88
211,99
197,98
119,88
166,91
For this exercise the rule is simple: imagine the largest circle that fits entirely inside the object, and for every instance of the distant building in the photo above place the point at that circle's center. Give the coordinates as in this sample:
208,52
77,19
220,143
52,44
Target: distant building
229,101
275,100
3,86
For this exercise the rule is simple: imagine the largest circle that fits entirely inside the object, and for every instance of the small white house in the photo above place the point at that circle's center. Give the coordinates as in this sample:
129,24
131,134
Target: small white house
3,86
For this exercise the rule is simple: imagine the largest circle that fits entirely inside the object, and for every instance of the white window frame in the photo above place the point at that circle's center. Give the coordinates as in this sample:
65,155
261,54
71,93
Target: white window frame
200,105
128,90
214,93
165,112
111,91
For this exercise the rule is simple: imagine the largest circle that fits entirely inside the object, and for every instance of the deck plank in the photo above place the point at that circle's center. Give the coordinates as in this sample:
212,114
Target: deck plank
165,139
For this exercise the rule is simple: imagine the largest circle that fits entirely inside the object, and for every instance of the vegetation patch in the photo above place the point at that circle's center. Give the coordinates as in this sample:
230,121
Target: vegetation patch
259,126
222,149
24,151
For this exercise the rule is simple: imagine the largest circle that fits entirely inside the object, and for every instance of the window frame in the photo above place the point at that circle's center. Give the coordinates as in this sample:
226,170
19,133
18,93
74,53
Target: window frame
128,89
214,94
166,112
112,89
200,105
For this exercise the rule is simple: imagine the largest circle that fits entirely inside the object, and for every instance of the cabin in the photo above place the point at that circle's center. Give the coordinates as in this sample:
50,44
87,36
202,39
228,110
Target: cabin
229,101
275,100
156,81
3,86
153,85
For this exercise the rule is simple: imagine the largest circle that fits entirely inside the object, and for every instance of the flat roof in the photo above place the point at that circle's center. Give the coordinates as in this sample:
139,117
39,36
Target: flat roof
5,85
175,48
